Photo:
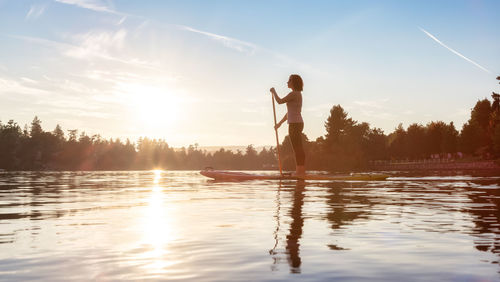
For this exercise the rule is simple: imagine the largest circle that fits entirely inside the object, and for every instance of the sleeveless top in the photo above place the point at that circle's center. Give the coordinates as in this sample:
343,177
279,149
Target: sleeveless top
294,107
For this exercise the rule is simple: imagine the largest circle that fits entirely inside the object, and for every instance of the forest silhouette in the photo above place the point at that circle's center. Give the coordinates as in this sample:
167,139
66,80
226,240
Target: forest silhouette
347,145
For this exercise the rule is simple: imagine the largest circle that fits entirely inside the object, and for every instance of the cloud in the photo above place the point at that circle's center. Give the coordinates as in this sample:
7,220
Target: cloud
43,41
60,96
97,43
373,109
233,43
121,20
453,51
368,104
102,6
98,6
95,5
26,79
35,12
8,85
250,48
92,45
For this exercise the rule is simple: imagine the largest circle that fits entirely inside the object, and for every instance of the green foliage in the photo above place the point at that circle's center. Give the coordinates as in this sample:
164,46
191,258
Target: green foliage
481,113
337,124
442,137
58,132
478,135
496,140
398,143
40,150
347,145
420,141
469,142
416,141
11,138
36,127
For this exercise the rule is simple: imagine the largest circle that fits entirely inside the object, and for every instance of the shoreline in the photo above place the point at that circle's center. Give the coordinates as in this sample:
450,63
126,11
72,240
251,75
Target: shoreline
485,165
480,166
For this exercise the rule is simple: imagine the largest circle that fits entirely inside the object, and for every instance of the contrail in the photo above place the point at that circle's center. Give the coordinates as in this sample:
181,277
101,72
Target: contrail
456,53
239,45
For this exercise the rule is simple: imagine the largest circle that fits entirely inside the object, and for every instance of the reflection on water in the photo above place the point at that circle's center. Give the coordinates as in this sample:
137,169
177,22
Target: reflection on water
157,227
295,231
180,226
292,239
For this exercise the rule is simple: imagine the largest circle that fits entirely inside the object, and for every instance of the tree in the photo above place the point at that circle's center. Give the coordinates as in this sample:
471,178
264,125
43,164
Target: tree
417,144
481,113
450,139
435,132
251,158
72,135
398,143
468,141
495,106
496,141
268,157
346,146
36,127
10,145
336,124
376,145
495,122
477,132
346,142
58,132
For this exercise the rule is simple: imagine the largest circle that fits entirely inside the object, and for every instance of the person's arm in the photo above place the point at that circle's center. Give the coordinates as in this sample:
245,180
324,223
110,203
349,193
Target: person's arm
285,117
285,99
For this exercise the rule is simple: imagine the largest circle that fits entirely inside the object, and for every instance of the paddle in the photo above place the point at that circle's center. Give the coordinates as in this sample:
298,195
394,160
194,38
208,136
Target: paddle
277,139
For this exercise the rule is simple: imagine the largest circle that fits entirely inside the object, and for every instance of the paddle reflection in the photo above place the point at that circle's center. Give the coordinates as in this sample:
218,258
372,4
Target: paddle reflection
292,239
294,234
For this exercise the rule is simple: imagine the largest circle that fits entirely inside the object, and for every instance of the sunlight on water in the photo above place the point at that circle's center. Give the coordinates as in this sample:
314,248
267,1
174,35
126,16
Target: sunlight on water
157,228
178,225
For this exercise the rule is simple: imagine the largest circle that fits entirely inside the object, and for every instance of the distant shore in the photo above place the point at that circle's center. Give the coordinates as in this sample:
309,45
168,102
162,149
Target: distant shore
490,165
398,165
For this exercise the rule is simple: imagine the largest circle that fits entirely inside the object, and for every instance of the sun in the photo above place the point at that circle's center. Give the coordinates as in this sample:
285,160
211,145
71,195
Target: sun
155,108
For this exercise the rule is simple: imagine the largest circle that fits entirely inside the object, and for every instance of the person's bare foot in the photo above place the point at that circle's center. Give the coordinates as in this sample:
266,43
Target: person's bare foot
300,171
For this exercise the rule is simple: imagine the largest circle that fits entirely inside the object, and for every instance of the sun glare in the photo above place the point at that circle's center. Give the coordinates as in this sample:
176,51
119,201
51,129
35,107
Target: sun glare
158,227
156,108
156,180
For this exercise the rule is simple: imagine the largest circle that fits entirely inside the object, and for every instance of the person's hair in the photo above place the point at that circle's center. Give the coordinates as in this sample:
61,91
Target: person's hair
297,83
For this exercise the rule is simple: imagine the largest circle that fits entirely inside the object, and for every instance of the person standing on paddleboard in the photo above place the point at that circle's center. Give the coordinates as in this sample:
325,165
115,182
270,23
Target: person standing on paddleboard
294,117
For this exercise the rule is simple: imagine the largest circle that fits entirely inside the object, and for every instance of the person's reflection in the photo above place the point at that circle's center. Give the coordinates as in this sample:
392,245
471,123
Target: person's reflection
486,217
340,198
292,239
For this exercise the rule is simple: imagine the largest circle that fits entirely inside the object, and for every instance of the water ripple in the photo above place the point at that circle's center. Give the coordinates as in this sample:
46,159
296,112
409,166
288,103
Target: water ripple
177,225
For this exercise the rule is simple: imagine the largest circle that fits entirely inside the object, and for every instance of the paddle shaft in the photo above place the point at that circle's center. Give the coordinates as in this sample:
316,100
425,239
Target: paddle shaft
277,139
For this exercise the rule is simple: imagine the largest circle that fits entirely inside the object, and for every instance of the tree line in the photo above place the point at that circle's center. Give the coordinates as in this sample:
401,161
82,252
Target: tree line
35,149
347,144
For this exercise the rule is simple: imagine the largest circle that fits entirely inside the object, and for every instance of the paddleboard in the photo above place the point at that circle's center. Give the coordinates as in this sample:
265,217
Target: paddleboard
239,176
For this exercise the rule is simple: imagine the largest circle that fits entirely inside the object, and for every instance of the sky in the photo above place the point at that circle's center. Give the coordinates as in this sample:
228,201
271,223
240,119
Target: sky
200,71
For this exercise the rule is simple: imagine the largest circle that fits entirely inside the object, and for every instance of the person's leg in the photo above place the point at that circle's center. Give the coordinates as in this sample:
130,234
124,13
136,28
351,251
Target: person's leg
295,133
300,154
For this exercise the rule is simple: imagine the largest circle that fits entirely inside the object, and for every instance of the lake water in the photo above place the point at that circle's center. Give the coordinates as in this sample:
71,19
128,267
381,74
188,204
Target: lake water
178,225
